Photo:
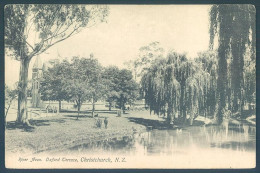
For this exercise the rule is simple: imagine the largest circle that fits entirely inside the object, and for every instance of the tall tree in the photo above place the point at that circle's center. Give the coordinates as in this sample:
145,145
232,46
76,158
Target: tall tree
235,27
51,87
161,89
108,76
175,86
121,87
128,88
96,87
75,83
250,81
50,24
147,54
82,82
208,62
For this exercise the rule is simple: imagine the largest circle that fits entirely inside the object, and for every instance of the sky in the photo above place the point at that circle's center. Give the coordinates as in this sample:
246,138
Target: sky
183,28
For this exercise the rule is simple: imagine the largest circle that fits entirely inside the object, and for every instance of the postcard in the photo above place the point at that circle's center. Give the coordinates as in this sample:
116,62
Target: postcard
130,86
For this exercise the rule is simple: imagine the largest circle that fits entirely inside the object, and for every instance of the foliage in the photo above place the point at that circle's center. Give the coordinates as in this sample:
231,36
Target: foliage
120,86
147,54
208,63
84,80
10,95
81,79
96,88
50,24
249,80
108,76
76,81
51,82
53,79
235,27
175,86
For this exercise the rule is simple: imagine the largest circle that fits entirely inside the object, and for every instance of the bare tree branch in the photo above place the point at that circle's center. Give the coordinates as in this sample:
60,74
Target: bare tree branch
28,44
36,50
57,34
47,47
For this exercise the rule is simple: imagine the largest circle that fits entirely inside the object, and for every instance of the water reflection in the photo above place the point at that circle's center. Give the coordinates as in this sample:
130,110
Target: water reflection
239,138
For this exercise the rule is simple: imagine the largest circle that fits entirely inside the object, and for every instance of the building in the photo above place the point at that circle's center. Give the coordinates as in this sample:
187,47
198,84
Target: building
36,77
37,70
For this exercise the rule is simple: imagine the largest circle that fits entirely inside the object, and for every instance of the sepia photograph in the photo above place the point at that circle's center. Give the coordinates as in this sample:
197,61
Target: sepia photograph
130,86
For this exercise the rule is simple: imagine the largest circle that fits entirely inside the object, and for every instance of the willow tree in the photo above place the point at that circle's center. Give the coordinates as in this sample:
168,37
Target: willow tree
161,89
193,80
250,82
235,27
197,85
49,25
175,86
208,63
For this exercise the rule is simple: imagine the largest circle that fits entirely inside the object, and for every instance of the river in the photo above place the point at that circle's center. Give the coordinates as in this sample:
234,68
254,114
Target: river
232,144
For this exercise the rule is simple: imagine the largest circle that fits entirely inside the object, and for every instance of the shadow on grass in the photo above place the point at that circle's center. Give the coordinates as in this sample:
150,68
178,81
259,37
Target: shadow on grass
89,112
80,116
197,123
156,124
88,115
12,125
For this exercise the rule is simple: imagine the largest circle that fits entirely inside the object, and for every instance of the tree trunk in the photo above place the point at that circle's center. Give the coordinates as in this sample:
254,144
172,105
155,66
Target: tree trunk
222,77
78,111
182,102
110,105
241,108
6,112
123,107
59,106
191,117
78,102
22,115
235,103
170,114
93,108
237,73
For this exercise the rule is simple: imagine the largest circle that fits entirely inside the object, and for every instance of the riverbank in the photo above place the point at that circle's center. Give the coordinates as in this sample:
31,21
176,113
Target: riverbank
59,132
65,138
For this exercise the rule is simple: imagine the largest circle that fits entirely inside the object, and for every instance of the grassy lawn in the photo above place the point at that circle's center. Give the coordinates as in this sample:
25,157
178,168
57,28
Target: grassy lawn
58,132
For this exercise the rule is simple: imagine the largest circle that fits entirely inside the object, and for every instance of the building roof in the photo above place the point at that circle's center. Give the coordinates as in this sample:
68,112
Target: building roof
37,63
